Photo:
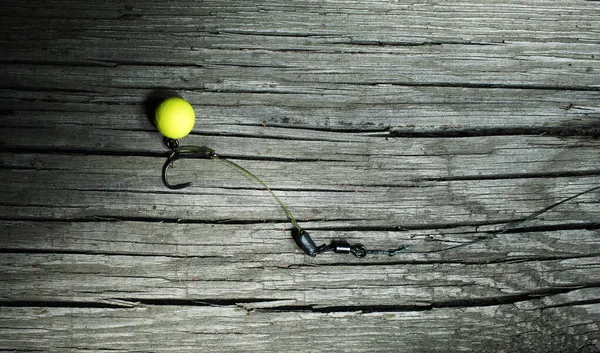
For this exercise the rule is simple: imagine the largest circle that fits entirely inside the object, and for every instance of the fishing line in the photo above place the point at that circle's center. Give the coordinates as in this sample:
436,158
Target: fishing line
174,118
301,236
515,224
205,152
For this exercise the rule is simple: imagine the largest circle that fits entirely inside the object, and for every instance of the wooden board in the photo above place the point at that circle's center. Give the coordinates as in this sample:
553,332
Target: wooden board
227,328
439,127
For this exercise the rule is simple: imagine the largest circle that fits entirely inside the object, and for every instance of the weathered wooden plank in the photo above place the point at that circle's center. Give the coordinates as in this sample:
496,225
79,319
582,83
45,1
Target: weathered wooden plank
97,278
294,69
259,63
228,329
124,127
286,163
199,46
246,289
309,30
445,203
96,255
268,243
399,110
391,22
433,181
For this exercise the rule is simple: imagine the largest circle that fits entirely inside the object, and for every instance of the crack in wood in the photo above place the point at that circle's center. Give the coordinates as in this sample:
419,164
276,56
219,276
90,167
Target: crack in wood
137,153
458,303
120,303
490,85
423,43
582,130
452,261
365,228
55,251
532,175
473,302
574,303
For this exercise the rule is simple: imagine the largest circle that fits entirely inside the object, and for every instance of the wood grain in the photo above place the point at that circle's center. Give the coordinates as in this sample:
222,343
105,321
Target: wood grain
387,123
227,328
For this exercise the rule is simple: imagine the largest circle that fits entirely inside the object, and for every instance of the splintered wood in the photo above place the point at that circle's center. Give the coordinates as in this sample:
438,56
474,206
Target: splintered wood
385,123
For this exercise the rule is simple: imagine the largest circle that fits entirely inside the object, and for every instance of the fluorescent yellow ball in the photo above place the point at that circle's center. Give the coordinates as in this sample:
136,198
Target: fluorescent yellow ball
175,118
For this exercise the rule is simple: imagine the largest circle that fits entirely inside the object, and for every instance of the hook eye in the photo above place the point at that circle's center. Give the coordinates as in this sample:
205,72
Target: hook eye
169,163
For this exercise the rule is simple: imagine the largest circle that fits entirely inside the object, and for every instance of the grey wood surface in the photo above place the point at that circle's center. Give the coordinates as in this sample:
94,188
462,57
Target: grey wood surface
389,123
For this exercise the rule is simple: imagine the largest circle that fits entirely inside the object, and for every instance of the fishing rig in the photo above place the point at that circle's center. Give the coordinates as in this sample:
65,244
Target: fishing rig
301,236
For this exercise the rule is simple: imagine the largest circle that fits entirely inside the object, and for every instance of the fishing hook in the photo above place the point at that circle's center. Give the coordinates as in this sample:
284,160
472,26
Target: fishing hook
300,236
180,153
